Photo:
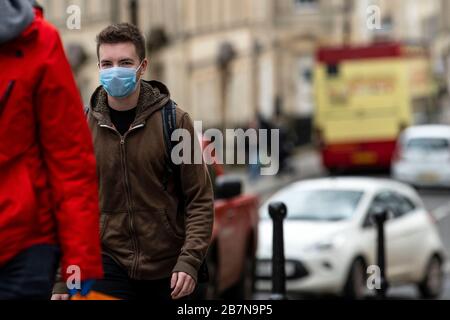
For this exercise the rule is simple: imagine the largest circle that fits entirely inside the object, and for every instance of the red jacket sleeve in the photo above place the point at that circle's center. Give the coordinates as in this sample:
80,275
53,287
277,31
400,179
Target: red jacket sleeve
69,157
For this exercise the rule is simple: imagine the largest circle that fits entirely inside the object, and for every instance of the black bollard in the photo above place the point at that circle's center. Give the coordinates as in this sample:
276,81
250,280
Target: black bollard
278,212
380,217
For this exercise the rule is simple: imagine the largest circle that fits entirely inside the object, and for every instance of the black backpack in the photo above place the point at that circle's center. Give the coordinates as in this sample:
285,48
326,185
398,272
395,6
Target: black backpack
169,116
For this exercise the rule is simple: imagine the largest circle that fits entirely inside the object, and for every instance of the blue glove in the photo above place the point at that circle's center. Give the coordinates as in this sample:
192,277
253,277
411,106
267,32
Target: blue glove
86,287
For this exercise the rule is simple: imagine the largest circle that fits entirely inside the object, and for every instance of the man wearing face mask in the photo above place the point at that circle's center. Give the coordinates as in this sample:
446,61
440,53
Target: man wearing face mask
156,226
48,183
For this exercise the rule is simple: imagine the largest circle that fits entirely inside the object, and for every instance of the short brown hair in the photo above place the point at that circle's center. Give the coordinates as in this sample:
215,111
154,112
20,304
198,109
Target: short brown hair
120,33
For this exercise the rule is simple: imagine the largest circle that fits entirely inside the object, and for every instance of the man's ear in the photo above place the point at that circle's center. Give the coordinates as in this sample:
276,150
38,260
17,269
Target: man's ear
144,67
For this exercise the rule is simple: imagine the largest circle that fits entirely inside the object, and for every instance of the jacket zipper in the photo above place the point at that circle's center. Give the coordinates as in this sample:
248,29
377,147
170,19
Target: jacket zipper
128,194
5,96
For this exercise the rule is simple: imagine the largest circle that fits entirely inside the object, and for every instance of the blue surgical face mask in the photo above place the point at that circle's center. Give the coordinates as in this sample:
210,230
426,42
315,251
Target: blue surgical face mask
119,82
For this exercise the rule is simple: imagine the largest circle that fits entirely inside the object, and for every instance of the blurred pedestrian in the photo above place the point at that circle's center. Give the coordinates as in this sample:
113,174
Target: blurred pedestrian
286,146
157,217
254,161
48,182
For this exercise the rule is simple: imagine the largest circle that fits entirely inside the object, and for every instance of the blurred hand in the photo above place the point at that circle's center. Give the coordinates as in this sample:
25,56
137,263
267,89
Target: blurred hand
182,284
60,297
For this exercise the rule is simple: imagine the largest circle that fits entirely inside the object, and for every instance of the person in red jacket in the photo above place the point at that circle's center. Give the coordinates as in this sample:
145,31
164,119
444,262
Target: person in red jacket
49,210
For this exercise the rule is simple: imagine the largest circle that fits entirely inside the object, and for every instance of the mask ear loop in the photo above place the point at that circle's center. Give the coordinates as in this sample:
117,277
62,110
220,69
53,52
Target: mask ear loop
138,76
140,66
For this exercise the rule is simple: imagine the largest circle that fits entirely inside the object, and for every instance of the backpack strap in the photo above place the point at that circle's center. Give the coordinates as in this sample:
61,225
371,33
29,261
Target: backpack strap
87,110
169,116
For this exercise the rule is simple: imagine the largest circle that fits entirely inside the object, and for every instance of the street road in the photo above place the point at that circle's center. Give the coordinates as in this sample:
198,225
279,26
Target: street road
437,201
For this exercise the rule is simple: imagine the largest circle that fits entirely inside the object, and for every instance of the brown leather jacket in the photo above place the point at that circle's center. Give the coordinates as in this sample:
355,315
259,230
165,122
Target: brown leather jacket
143,225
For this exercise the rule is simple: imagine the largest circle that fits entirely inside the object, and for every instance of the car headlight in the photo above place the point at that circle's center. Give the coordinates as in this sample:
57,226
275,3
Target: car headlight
332,243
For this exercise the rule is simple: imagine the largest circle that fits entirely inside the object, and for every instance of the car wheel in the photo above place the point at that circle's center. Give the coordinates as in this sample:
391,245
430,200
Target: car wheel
244,289
210,290
248,282
432,285
356,285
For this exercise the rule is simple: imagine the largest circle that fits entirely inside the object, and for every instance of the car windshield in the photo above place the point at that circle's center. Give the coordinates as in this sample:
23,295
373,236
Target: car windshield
428,144
318,205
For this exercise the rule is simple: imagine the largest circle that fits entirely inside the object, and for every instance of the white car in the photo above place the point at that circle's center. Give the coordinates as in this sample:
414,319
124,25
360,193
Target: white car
330,239
423,156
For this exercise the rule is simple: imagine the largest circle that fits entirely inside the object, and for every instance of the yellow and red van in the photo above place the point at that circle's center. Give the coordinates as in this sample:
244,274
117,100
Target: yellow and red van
365,96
